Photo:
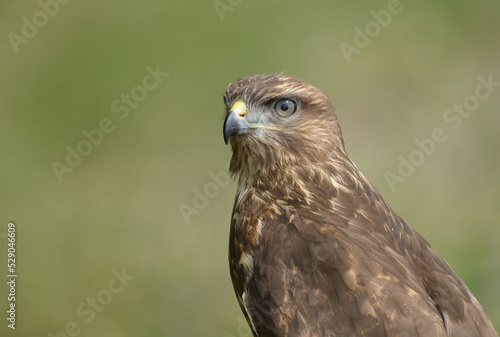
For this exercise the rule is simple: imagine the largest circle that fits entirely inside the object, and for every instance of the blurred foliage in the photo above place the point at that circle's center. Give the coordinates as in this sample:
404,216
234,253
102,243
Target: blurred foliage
119,208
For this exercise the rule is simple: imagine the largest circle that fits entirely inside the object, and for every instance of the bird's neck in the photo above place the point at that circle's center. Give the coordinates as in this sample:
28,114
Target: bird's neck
301,187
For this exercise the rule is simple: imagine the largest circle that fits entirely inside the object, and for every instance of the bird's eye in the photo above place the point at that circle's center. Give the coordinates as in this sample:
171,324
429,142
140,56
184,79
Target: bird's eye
285,107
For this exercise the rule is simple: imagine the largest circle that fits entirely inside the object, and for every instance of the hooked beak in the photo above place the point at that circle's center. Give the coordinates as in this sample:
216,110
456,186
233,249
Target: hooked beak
235,122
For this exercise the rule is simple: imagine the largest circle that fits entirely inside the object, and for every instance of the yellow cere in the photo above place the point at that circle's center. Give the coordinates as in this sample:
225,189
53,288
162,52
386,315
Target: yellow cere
240,109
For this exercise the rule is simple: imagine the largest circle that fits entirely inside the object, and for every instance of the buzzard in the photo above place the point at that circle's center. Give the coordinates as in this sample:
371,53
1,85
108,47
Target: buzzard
314,249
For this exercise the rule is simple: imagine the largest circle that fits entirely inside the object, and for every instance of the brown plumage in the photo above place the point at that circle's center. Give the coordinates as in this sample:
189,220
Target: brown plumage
314,249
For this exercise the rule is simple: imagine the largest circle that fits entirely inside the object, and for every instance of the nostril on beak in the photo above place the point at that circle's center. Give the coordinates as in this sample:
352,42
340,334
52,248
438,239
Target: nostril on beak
240,109
242,113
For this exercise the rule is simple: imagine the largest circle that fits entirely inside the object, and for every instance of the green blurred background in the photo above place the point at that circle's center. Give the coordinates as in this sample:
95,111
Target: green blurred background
120,207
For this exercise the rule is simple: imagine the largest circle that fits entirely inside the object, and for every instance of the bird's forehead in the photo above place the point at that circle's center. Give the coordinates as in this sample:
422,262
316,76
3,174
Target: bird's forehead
259,89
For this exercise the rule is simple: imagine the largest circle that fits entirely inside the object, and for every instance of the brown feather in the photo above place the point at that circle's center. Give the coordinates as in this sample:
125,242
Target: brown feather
314,248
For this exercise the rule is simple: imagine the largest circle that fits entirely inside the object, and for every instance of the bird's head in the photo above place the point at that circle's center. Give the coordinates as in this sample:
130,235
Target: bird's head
276,121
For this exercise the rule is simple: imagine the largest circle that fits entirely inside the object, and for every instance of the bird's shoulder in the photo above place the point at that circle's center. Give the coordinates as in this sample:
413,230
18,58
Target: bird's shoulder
374,278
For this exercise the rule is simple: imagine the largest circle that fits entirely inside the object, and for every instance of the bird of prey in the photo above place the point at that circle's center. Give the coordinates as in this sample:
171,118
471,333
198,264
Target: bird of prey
314,248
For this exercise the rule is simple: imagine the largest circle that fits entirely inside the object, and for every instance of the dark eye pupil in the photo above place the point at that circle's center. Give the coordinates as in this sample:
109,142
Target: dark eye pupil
284,106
